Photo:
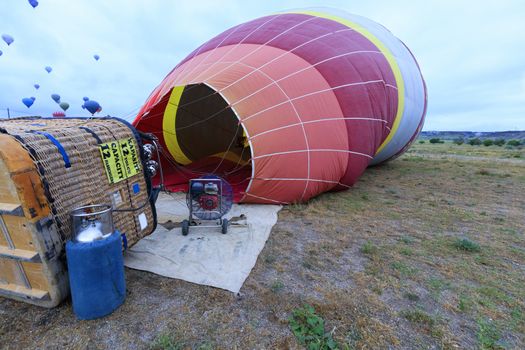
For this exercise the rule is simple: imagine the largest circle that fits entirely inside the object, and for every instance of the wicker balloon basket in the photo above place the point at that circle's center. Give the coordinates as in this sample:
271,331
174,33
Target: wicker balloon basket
48,167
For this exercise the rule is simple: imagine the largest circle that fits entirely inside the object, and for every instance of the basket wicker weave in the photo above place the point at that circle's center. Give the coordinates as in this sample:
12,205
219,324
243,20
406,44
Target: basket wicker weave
72,174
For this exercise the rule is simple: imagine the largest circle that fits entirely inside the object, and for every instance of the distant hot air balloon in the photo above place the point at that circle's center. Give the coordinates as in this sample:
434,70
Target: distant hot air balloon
28,102
92,106
85,98
56,98
1,53
59,114
33,3
37,86
48,69
8,39
33,98
64,106
96,57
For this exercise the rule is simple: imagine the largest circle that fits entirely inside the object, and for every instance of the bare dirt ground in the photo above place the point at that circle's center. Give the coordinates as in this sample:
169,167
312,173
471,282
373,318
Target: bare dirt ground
424,252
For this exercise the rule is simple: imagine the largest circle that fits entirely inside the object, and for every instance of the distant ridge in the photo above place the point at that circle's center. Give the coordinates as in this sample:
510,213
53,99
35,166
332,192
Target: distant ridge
451,135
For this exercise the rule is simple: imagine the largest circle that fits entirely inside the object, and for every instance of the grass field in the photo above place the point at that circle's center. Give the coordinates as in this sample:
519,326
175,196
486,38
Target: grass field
425,252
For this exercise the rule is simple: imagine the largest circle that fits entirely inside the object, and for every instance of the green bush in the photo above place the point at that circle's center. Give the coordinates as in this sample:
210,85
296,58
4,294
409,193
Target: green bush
489,336
488,142
421,141
369,248
467,245
309,329
459,141
499,142
514,143
436,140
474,142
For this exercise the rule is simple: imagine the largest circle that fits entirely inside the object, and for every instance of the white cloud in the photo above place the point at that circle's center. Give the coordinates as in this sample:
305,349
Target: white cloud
472,54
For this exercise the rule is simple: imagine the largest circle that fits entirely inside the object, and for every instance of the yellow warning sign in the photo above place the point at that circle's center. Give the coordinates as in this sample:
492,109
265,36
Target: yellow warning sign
130,157
121,159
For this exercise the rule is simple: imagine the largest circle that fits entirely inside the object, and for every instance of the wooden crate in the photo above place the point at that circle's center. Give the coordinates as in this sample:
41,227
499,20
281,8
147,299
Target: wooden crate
31,269
49,167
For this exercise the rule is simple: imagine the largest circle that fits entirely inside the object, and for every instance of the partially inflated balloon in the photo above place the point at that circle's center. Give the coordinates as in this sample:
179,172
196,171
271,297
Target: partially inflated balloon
92,106
33,3
48,69
96,57
37,86
64,106
301,103
85,98
56,98
28,102
8,39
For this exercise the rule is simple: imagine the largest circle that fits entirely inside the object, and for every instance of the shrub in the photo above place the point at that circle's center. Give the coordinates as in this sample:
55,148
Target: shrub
499,142
418,316
436,140
514,143
369,248
277,286
483,172
167,342
488,142
421,141
459,141
467,245
309,330
474,142
489,336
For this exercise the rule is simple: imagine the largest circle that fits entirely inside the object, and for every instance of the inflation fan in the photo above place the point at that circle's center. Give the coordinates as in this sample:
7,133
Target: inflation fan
209,198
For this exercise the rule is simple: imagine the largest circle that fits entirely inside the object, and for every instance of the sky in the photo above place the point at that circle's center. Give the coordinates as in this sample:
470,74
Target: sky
471,53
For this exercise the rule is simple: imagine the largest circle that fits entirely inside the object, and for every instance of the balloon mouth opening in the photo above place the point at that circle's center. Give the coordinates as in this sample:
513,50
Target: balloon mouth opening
202,134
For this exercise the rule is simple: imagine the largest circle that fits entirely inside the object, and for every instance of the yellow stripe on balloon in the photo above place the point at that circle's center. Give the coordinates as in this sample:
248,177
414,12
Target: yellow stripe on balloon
168,126
391,61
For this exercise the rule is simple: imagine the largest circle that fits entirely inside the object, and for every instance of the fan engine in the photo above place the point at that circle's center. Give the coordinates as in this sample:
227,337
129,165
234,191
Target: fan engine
209,198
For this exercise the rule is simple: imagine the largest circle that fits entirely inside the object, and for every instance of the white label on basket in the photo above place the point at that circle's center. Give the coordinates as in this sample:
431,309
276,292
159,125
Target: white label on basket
143,221
116,198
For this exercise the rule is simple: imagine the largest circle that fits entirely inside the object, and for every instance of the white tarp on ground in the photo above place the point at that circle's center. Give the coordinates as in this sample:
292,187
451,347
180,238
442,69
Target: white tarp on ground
205,256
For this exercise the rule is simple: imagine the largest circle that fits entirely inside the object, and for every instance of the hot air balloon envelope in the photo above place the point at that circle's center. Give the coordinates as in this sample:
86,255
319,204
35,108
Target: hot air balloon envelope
56,98
288,106
8,39
33,3
1,53
28,102
37,86
48,69
85,99
92,106
64,106
96,57
33,98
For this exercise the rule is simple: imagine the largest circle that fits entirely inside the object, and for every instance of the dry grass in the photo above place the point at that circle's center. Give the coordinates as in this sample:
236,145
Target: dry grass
423,252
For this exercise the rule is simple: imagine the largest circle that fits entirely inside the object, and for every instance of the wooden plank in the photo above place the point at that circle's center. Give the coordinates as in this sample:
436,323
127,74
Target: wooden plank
20,232
8,192
13,290
10,272
35,275
19,254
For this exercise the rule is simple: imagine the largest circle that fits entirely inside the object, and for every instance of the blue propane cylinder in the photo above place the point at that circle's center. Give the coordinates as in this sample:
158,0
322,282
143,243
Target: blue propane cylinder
96,276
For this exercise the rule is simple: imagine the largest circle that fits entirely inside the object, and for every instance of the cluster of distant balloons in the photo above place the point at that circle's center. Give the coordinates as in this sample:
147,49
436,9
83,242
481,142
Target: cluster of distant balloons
90,105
